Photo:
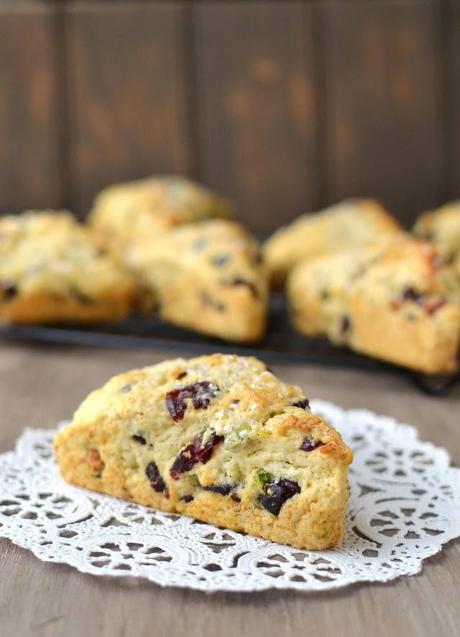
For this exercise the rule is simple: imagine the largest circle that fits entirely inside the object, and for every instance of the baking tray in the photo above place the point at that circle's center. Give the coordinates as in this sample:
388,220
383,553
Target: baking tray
281,344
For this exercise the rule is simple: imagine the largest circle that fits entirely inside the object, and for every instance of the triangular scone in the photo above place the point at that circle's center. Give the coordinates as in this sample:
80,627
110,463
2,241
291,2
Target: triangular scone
394,300
218,438
442,227
348,224
126,214
53,270
208,277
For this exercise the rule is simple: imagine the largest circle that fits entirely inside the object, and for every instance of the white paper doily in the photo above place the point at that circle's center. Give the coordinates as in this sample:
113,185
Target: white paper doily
404,505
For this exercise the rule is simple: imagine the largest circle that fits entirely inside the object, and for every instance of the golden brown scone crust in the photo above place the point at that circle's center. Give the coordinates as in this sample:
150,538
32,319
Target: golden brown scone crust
345,225
208,277
442,227
232,456
52,270
137,212
393,300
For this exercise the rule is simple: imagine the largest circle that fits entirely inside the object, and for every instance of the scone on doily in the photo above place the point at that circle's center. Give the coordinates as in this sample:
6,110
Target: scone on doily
218,438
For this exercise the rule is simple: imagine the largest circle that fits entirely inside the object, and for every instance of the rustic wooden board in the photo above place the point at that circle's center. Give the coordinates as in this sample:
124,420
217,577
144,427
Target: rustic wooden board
29,134
382,82
255,106
126,94
451,44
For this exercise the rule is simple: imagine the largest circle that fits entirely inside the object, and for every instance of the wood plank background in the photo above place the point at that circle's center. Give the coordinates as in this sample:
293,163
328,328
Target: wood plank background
284,106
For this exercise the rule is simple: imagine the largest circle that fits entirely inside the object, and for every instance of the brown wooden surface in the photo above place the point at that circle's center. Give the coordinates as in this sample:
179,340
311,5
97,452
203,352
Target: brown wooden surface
451,69
29,168
41,386
126,94
384,127
256,106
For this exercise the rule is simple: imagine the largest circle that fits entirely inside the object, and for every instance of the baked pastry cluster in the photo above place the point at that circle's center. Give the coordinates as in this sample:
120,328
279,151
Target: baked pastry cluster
53,270
161,243
218,438
346,225
168,245
207,277
197,269
393,300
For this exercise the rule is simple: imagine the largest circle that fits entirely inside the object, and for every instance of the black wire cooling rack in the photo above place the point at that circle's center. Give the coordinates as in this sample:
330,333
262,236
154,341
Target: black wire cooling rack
281,344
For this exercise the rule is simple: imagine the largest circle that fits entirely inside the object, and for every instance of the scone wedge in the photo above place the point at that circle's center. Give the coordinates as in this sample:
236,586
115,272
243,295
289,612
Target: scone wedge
348,224
218,438
208,277
394,300
53,270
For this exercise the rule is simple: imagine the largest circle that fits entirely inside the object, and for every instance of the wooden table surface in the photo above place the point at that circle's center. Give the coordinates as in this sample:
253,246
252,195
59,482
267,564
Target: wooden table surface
39,386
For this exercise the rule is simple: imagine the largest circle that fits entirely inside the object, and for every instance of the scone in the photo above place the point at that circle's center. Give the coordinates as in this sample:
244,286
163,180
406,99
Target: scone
52,270
346,225
126,214
208,277
392,301
218,438
442,226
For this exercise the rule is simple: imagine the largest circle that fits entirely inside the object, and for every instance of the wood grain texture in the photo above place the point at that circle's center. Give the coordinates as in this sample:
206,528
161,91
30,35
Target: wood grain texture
39,386
451,44
383,113
255,106
29,144
125,94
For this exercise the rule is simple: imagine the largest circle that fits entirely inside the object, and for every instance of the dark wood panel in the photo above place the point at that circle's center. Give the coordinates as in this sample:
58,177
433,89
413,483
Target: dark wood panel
126,94
256,107
382,88
29,166
451,44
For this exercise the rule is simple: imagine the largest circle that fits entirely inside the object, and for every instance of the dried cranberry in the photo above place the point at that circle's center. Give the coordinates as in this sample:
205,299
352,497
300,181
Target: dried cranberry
223,489
194,452
433,305
140,439
409,294
303,404
429,305
345,324
200,393
310,445
276,493
8,289
156,481
251,286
